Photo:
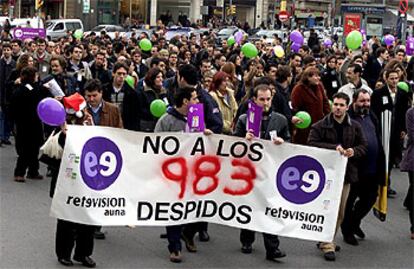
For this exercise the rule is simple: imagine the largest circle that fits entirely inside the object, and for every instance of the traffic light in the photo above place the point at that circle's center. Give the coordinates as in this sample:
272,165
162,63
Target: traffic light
232,9
39,4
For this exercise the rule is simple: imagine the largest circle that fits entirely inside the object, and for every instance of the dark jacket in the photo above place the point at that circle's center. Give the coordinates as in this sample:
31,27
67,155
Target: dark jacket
127,102
277,122
145,120
5,71
372,71
380,171
323,135
212,115
380,101
331,82
99,73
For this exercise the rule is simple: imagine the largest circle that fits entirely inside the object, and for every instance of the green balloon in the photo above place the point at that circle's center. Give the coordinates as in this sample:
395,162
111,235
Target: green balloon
354,40
403,86
231,41
145,44
249,50
130,81
158,108
78,34
306,119
330,104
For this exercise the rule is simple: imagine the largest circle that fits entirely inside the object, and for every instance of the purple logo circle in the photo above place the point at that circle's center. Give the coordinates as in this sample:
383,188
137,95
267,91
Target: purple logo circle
101,163
300,179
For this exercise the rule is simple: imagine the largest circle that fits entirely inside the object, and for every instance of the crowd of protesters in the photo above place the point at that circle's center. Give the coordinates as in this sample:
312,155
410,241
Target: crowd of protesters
344,92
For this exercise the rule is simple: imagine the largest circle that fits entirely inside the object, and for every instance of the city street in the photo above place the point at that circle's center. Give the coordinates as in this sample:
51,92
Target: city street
27,237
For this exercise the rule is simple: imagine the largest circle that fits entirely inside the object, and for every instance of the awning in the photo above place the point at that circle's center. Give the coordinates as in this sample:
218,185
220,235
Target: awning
395,12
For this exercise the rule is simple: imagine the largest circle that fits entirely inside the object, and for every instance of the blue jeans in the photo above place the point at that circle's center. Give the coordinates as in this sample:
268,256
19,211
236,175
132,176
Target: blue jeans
5,126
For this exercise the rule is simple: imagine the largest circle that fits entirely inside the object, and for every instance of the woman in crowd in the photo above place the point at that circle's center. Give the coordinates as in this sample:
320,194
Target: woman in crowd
225,99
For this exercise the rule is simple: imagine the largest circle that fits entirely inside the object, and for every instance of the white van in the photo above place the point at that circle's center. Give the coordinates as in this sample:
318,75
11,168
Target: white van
26,22
56,29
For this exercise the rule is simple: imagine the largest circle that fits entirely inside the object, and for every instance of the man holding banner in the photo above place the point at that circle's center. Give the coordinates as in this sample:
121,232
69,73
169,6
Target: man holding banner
338,131
175,120
268,125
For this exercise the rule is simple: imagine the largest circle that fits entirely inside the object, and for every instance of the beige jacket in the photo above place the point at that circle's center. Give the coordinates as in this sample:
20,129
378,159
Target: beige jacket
228,109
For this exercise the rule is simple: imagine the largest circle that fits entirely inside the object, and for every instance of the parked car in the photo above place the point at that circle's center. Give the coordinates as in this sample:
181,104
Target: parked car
268,35
225,33
177,30
108,28
56,29
137,32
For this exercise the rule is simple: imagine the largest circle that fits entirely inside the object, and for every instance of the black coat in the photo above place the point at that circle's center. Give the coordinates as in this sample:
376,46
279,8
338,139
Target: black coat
23,106
145,120
5,71
372,71
323,135
380,172
331,82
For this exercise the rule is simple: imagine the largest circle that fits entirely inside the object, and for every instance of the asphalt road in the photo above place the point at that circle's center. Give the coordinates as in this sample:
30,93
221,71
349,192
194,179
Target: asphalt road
27,237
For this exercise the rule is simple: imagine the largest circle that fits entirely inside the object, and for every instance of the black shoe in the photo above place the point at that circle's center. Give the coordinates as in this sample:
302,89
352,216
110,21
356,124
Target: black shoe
246,249
329,256
65,262
86,261
163,235
350,239
203,236
6,142
277,254
337,247
358,232
98,235
189,243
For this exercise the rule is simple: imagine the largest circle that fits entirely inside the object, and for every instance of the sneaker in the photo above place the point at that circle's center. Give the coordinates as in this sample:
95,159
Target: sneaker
189,243
329,256
358,232
175,256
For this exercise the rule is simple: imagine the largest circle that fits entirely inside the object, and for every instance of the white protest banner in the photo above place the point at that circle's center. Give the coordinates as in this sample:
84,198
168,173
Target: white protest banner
117,177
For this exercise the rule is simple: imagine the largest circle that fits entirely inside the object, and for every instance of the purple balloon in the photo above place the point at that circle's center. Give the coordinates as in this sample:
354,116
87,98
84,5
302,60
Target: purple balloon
238,37
296,37
364,42
363,32
388,40
51,112
327,43
295,47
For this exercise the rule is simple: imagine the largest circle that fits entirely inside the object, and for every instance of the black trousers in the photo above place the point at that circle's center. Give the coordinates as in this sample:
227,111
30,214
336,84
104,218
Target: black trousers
69,235
361,199
28,154
271,241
